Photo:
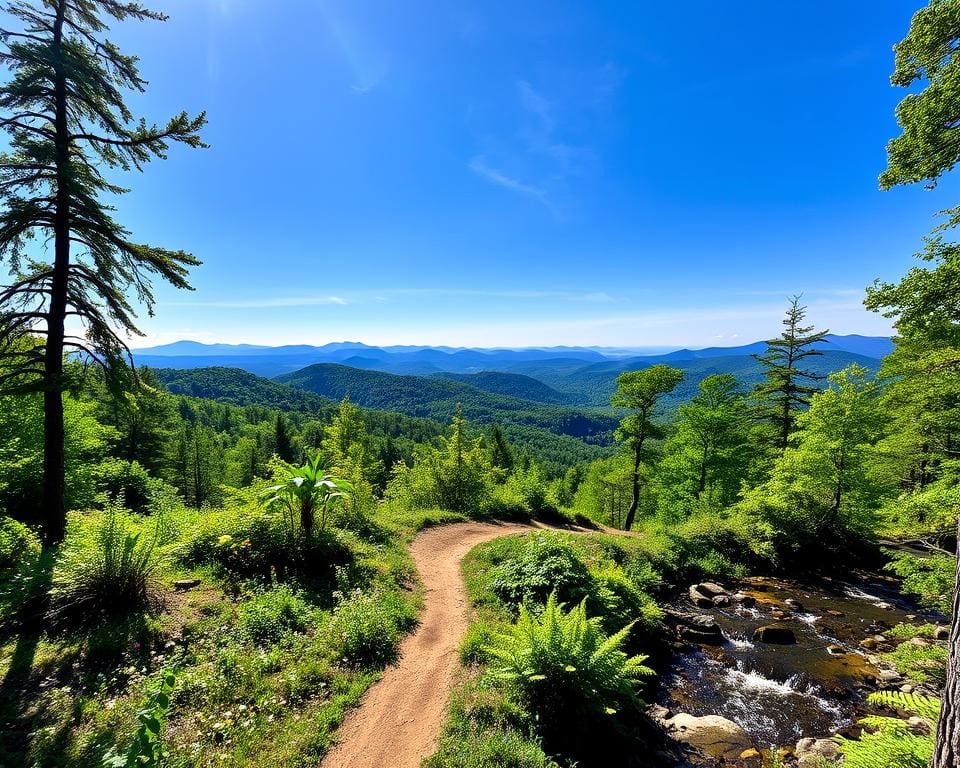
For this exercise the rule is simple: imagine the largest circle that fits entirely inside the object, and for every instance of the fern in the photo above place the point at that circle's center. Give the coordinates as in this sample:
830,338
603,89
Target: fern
566,657
889,740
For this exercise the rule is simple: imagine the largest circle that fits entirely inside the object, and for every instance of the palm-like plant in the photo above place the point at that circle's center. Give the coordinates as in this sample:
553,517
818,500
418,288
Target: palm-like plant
307,492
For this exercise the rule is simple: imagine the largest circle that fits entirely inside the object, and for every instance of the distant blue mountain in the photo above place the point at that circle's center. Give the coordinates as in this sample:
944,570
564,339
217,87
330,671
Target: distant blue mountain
540,363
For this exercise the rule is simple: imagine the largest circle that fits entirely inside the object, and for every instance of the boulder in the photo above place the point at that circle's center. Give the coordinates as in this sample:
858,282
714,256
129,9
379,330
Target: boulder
888,676
793,605
776,634
751,758
698,598
747,601
941,633
832,612
721,600
700,628
810,753
885,606
919,642
712,589
869,643
712,734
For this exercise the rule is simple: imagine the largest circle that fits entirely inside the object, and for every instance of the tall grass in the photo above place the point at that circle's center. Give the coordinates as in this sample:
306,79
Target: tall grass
107,566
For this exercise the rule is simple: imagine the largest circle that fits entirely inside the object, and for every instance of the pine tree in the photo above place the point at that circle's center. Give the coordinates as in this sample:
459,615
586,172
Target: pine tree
282,440
500,452
787,389
67,123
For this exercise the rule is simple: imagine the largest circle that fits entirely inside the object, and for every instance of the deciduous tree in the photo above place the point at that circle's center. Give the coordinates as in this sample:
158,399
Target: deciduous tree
639,392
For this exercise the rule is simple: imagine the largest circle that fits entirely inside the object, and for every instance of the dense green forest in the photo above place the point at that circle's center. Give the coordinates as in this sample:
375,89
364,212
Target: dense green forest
206,567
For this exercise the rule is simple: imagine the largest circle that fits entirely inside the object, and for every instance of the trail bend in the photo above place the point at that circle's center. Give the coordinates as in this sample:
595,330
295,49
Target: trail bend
399,719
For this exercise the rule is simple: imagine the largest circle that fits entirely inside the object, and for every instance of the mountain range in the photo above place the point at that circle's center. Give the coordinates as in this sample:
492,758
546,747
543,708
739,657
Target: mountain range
423,361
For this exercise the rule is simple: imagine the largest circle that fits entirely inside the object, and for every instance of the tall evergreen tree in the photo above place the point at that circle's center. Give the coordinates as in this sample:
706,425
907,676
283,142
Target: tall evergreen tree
283,440
67,123
788,386
639,392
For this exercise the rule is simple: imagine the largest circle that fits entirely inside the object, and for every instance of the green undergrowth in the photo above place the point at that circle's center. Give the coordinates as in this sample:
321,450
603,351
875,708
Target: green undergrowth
269,645
550,706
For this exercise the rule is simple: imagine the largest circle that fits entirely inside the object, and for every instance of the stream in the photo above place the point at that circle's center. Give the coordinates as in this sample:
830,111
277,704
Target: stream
780,693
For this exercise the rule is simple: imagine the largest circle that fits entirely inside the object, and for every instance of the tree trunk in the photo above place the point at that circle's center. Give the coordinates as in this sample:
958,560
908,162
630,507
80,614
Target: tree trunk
946,753
632,511
54,461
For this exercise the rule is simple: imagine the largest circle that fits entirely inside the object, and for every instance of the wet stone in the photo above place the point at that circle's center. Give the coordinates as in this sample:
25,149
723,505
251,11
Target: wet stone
775,634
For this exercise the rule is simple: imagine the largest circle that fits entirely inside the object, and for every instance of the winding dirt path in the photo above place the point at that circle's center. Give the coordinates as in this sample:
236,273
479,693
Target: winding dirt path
399,719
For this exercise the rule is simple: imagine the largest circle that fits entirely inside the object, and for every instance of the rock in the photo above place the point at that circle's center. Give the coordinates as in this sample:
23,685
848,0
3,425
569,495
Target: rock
751,758
911,617
906,688
918,725
941,633
698,598
700,628
832,612
182,585
695,627
836,650
659,713
714,735
721,600
919,642
712,589
888,676
747,601
811,752
778,614
869,643
775,634
793,605
885,606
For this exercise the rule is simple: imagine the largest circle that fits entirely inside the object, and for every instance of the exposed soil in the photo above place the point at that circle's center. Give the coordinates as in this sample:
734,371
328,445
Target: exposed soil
399,719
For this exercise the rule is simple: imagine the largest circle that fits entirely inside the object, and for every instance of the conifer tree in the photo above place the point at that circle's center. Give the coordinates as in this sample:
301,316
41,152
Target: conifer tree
67,124
788,386
282,439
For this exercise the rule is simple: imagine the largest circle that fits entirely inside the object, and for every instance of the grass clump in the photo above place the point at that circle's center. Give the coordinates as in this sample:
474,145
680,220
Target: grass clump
18,543
366,628
106,567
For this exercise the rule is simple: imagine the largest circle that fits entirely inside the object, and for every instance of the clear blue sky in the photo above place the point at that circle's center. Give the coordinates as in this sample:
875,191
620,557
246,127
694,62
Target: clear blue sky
503,173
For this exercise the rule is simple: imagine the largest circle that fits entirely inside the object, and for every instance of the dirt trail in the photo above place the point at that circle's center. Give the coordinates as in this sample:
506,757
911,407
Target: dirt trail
400,717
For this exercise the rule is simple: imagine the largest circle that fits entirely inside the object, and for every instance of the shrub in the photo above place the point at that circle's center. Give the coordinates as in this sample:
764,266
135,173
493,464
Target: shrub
272,614
922,664
17,543
567,671
889,741
107,567
126,480
366,628
620,602
930,578
545,564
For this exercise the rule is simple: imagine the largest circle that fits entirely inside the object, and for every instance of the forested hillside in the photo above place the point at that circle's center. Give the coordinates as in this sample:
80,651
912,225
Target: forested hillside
741,557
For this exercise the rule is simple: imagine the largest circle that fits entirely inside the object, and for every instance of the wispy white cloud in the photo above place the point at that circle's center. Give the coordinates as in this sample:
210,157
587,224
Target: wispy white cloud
367,62
479,166
264,303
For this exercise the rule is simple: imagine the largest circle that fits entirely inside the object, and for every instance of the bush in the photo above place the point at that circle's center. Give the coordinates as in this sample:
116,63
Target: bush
107,566
545,564
366,628
567,671
929,578
127,480
620,602
272,614
17,543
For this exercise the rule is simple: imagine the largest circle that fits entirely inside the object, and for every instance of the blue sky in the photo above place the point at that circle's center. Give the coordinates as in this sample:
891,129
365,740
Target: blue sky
502,173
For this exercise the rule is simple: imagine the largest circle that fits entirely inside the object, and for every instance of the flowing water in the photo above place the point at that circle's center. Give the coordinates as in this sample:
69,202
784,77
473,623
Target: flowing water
780,693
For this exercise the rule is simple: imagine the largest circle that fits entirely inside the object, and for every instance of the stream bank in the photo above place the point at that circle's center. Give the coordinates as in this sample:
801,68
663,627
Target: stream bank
780,663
